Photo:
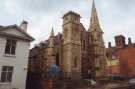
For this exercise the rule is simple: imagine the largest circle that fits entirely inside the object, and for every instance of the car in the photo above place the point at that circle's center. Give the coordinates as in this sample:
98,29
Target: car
91,82
132,81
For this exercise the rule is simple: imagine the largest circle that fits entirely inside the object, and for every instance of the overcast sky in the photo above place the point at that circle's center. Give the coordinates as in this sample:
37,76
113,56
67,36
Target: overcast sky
115,16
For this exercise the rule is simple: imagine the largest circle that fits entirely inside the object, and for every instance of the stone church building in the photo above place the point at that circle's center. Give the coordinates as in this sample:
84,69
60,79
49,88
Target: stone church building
78,52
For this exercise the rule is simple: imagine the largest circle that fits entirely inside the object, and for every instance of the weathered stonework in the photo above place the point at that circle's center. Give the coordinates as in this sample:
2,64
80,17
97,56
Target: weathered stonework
77,52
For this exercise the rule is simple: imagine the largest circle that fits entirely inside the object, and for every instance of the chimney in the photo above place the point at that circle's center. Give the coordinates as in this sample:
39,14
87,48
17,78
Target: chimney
129,42
109,45
23,25
120,41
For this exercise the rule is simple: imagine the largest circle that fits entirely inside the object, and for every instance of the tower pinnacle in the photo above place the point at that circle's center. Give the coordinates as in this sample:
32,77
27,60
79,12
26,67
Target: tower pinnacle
51,39
52,33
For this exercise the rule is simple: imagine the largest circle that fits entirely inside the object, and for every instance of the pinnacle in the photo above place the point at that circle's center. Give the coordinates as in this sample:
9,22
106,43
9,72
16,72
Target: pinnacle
52,33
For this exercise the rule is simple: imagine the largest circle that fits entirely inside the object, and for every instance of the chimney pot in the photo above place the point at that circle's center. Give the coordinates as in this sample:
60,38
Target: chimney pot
129,41
109,45
23,25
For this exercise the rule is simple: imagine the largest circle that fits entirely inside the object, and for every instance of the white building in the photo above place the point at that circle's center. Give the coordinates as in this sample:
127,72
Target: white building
14,51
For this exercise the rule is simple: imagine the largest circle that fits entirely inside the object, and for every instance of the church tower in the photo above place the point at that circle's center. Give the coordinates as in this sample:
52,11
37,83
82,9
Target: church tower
71,45
51,49
97,50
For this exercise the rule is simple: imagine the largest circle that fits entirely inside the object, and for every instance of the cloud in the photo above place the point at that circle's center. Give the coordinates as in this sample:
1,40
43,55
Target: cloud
45,6
116,16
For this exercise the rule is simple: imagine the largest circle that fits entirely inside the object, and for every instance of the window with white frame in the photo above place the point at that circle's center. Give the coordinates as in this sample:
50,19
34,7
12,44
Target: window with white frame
10,46
6,74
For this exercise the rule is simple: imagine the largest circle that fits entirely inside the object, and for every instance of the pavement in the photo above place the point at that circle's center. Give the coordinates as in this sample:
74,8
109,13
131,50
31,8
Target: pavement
83,84
111,85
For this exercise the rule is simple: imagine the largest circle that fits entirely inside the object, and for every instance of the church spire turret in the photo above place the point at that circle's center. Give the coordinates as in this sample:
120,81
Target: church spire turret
97,45
94,21
51,39
94,17
52,33
51,49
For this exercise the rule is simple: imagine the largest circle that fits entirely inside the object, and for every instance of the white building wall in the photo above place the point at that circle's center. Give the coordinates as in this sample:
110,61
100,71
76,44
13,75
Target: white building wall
19,62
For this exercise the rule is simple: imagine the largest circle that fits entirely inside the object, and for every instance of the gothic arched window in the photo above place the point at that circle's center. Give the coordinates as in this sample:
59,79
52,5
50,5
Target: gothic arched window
84,45
57,59
75,62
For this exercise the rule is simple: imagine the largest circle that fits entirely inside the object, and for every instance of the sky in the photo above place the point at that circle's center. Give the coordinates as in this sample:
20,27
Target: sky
116,17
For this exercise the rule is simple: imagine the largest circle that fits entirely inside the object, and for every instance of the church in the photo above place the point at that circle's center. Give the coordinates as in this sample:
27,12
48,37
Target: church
78,52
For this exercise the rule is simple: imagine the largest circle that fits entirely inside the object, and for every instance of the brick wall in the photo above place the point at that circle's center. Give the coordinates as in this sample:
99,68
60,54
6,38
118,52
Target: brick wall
127,61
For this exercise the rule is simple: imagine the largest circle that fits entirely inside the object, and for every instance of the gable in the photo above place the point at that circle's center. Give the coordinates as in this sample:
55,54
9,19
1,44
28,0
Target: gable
16,32
82,27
